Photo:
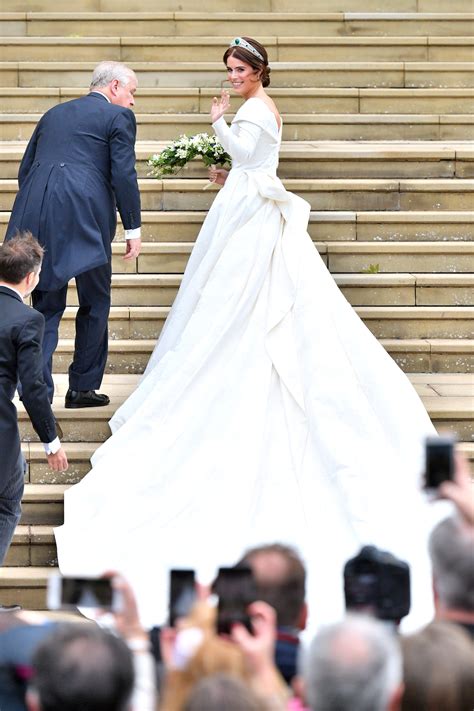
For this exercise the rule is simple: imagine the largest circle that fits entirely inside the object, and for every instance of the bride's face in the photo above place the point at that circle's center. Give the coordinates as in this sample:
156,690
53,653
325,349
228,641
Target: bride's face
242,76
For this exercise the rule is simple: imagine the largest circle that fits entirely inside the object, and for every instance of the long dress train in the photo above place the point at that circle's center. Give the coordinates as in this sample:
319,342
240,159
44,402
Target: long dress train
268,412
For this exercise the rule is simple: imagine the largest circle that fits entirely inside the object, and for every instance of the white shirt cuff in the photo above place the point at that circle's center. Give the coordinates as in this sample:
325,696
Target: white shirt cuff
133,234
52,447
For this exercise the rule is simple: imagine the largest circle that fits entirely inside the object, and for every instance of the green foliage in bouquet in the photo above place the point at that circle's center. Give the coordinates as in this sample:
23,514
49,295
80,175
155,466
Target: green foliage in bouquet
184,149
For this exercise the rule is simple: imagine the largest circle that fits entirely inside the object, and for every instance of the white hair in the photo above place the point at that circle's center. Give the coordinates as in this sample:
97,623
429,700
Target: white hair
355,665
105,72
451,547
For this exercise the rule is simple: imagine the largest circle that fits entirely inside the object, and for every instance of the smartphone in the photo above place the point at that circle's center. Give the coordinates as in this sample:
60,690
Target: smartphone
69,593
439,461
182,594
236,590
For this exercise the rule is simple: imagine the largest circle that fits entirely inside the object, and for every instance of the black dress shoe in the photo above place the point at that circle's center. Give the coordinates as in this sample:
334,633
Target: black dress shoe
85,398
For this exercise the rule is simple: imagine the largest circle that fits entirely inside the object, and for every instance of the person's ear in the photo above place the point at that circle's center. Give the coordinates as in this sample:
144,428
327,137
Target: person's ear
303,617
30,279
32,701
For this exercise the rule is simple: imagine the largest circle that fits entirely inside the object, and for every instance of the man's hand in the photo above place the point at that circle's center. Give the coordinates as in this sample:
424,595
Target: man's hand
220,106
58,462
258,647
460,491
133,248
259,650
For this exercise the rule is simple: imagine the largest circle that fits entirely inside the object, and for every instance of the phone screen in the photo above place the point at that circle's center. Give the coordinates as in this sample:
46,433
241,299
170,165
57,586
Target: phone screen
87,592
236,589
439,461
182,594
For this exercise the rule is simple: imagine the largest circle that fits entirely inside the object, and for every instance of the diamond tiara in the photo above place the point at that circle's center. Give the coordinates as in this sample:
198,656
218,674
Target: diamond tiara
239,42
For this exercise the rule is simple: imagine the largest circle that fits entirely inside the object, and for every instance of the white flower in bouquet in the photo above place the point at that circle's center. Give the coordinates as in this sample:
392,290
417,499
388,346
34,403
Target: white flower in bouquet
184,149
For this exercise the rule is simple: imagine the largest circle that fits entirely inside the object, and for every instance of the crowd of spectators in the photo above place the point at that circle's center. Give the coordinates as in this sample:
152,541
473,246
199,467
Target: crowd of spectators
359,664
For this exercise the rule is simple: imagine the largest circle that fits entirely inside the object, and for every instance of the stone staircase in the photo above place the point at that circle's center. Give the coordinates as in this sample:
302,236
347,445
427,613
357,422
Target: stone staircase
377,109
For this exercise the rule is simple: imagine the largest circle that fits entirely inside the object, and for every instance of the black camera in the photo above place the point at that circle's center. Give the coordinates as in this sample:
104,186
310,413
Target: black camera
378,583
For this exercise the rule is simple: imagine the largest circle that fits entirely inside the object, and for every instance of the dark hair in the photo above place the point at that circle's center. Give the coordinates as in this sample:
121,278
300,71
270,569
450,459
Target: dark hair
285,591
83,667
19,256
246,56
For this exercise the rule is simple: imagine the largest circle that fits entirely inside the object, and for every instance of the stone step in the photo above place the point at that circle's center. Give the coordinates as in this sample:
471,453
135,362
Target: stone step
351,256
328,226
412,355
25,586
78,453
236,5
325,226
284,74
208,49
325,194
311,159
361,289
229,24
330,100
296,127
32,546
338,159
145,322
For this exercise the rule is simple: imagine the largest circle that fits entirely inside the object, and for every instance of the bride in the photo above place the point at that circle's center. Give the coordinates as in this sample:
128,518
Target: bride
268,411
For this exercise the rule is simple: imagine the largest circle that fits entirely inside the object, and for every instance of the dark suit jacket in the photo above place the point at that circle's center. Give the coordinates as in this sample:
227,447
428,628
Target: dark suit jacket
21,334
79,166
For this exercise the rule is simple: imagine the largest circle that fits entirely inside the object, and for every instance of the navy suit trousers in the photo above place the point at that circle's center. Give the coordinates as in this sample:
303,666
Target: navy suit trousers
11,493
90,348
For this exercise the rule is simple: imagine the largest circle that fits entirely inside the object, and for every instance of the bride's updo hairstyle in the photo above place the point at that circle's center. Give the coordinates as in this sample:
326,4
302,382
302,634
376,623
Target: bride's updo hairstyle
245,55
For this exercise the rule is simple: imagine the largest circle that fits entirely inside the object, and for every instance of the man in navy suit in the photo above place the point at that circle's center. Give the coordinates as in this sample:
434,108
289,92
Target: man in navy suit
21,332
78,168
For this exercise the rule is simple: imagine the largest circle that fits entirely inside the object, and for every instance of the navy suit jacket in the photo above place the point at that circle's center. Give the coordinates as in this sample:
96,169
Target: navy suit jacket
79,166
21,335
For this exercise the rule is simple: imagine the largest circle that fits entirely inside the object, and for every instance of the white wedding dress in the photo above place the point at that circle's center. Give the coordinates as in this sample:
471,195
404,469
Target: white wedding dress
268,412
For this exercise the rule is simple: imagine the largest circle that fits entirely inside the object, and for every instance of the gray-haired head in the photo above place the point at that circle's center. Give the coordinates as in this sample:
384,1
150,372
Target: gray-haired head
105,72
451,549
222,691
355,665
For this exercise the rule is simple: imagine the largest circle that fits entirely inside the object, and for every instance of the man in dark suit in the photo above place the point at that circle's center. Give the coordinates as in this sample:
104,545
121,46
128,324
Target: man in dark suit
79,166
21,333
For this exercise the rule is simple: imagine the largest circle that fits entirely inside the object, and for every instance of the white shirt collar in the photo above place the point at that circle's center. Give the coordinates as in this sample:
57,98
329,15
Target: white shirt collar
101,94
12,289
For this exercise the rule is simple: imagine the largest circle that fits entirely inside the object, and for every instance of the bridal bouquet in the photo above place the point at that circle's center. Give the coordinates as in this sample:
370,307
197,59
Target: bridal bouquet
184,149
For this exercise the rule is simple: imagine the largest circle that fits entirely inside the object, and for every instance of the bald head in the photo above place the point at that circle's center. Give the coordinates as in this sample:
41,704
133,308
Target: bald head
281,578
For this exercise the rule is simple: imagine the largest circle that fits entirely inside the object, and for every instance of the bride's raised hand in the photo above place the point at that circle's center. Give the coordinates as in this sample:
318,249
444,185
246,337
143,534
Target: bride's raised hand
220,106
